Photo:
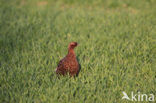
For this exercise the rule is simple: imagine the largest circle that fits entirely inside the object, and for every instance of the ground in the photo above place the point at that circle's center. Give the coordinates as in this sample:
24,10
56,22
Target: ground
117,50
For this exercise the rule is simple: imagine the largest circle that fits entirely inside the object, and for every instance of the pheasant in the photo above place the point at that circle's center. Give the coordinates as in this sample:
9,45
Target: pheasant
69,63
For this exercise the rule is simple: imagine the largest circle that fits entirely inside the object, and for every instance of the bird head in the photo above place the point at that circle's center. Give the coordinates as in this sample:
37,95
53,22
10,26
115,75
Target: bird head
72,45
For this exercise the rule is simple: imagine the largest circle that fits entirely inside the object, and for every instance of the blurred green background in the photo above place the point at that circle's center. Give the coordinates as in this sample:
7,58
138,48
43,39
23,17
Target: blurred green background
117,50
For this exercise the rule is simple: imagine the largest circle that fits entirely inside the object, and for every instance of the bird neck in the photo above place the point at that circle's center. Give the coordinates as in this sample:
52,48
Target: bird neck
71,52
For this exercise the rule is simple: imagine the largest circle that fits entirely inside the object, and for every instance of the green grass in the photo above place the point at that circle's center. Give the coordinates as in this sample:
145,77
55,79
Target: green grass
117,50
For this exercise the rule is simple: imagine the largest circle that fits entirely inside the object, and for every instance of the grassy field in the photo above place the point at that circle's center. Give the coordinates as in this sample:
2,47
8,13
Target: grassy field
117,50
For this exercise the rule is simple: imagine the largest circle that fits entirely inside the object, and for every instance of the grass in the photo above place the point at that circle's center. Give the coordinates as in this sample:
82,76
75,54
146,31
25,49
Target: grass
117,50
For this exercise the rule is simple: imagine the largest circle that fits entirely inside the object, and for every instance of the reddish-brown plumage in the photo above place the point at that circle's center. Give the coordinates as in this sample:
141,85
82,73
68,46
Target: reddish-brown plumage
69,63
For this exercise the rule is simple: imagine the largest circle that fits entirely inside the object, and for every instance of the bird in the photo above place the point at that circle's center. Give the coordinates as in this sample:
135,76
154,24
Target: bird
69,63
